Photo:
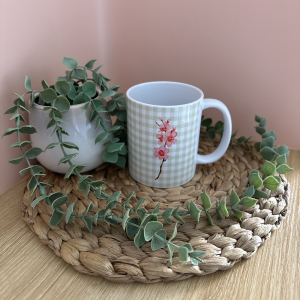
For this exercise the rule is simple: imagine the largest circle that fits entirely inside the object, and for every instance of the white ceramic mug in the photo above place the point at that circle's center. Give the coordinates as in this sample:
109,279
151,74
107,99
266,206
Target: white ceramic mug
164,120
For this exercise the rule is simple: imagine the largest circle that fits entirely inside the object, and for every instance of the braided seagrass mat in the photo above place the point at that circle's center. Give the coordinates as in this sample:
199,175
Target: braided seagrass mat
109,253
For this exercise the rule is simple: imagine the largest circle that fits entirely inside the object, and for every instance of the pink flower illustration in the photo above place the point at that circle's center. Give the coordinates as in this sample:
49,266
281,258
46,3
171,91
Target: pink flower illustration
161,152
169,138
160,138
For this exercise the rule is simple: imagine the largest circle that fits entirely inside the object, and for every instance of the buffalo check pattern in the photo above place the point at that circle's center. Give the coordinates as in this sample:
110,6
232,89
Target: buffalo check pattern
179,168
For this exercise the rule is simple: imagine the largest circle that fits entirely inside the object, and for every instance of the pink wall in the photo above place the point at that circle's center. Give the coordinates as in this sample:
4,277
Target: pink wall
34,37
244,53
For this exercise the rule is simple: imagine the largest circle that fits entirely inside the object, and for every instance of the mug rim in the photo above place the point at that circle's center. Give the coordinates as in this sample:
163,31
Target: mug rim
163,82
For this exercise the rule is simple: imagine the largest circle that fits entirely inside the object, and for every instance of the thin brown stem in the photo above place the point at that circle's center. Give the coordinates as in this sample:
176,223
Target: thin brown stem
160,168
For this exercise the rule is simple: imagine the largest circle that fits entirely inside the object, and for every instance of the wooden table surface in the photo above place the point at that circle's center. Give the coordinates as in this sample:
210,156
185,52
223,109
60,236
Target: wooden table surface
31,270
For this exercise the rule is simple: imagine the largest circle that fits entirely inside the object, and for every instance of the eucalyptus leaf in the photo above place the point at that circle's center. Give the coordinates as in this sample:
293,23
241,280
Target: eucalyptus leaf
28,83
89,88
151,228
255,179
37,200
60,201
167,214
62,104
88,222
269,133
267,142
158,240
71,63
283,149
280,160
194,211
121,115
268,168
130,228
16,161
249,192
11,110
260,130
55,218
139,239
110,157
238,213
121,162
183,254
260,194
271,183
62,87
108,93
48,95
70,145
33,152
234,198
80,98
282,169
205,200
90,64
222,207
248,202
125,218
101,137
170,252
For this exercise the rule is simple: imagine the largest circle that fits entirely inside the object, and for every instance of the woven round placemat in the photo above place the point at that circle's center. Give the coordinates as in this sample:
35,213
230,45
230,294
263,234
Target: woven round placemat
109,253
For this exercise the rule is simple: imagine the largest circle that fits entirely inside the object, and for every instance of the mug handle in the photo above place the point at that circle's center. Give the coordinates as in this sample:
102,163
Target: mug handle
219,152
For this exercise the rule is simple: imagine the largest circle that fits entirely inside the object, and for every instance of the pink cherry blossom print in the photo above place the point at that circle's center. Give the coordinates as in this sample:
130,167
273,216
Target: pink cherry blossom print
164,135
170,138
161,152
160,138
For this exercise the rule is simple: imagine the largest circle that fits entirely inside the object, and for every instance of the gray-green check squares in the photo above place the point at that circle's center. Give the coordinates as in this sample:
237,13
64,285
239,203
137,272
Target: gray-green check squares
144,167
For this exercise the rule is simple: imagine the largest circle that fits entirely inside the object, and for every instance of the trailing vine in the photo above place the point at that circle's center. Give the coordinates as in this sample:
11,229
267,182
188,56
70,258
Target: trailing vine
139,223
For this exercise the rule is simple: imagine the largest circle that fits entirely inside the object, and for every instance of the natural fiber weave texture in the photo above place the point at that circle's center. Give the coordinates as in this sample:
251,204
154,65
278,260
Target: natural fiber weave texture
109,253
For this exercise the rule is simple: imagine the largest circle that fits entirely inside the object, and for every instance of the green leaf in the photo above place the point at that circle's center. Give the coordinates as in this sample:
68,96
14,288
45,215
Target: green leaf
248,202
260,194
241,140
71,63
55,218
32,183
194,211
269,133
9,131
111,105
280,160
157,242
205,200
72,94
84,186
140,203
121,162
122,101
51,123
52,197
80,74
114,128
255,179
95,218
88,222
171,251
271,183
267,153
277,178
123,150
62,103
20,144
148,219
111,201
222,207
37,200
238,213
283,149
33,152
258,118
141,213
70,145
62,87
260,130
67,158
48,95
125,218
108,93
60,201
151,228
284,168
131,229
268,168
11,110
206,122
45,84
52,145
70,171
23,108
249,192
101,137
121,115
197,253
90,64
174,232
234,198
28,83
110,157
210,134
167,214
80,98
36,170
267,142
263,122
89,88
115,147
16,161
155,210
183,254
139,239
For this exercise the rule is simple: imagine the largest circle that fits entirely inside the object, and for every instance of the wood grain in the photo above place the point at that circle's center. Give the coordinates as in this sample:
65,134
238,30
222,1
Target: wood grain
30,270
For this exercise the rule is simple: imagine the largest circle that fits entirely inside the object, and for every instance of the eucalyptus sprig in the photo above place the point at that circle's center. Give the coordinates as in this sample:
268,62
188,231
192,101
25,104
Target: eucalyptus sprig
139,223
218,128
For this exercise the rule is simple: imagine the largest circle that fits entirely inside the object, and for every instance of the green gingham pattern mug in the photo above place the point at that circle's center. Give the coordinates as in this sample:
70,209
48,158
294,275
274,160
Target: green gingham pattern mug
163,120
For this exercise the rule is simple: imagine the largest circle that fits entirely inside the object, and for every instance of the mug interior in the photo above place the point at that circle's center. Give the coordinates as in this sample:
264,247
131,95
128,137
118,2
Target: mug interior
164,93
